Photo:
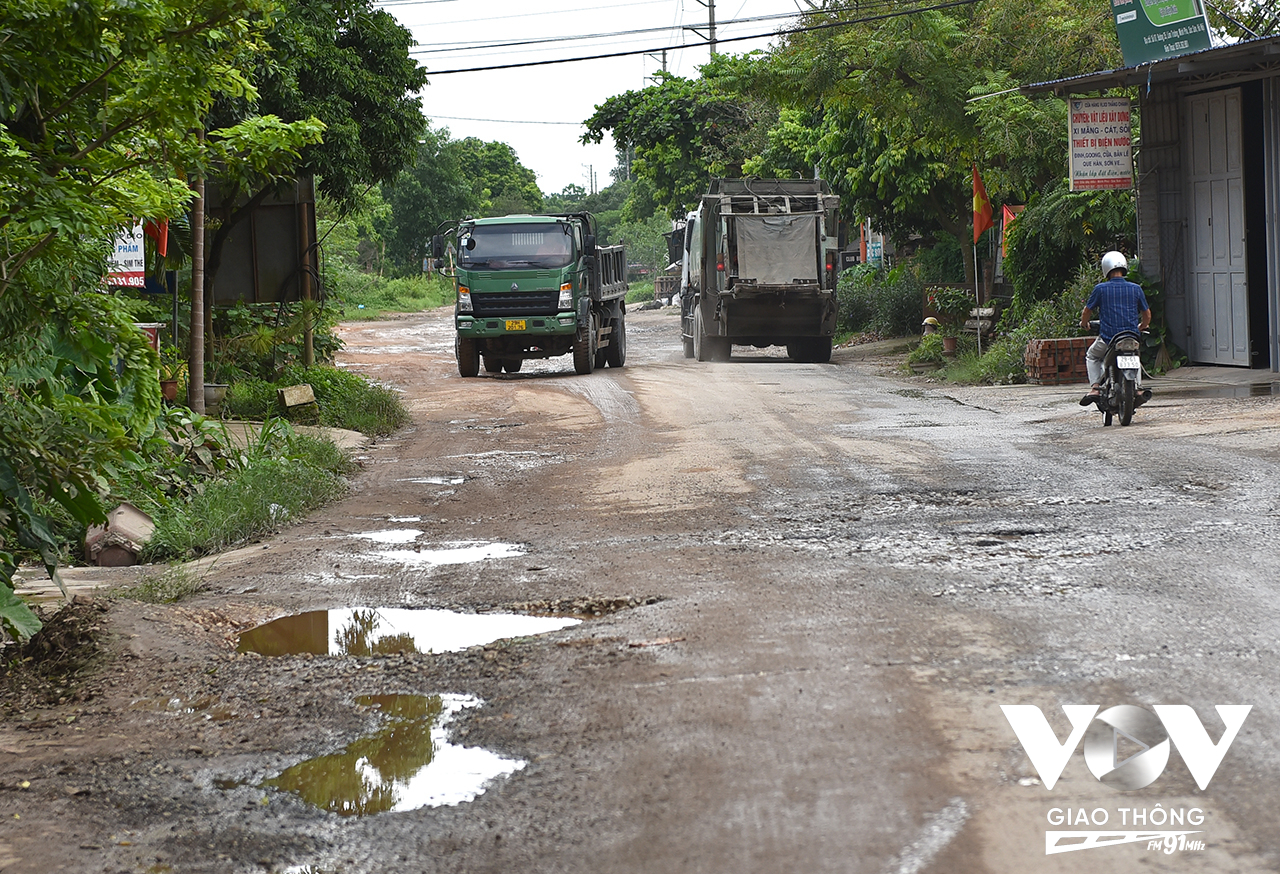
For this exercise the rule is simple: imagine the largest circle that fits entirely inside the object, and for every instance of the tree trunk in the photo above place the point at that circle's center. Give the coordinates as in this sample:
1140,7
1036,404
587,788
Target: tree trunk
195,354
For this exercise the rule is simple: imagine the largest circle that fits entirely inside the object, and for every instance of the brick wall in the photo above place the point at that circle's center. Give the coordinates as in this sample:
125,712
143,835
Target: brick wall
1058,361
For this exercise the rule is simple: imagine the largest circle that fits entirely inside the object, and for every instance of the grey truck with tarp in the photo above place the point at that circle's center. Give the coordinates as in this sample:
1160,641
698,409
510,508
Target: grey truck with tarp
759,268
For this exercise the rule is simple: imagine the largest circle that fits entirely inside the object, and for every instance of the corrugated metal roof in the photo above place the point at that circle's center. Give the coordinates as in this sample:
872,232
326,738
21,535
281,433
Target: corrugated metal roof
1240,57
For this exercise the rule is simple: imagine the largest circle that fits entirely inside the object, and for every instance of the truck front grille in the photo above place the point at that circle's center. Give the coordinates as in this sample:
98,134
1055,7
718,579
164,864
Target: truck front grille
515,303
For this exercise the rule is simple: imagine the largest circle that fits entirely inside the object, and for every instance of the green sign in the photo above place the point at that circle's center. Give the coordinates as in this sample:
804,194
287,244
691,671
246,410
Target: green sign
1152,30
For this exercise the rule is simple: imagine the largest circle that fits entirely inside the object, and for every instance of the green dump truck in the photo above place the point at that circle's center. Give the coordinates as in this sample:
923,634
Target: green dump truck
759,269
536,286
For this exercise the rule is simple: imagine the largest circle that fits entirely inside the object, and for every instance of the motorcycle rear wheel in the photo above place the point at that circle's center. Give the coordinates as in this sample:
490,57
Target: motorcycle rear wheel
1126,402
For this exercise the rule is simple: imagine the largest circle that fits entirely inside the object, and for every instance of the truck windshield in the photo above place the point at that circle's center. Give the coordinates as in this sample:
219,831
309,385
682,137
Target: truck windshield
499,247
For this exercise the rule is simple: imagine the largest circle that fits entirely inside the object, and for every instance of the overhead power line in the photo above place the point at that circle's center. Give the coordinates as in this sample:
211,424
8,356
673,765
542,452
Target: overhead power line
632,52
501,120
581,36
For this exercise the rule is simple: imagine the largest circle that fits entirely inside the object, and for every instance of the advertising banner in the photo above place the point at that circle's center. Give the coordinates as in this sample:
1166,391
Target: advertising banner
1101,155
1152,30
127,266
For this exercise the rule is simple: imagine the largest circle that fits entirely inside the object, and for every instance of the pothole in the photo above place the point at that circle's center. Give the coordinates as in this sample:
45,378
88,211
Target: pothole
589,606
384,630
441,479
406,764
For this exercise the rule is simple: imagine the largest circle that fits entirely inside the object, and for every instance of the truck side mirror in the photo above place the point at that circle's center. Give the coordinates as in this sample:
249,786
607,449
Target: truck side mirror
437,247
589,245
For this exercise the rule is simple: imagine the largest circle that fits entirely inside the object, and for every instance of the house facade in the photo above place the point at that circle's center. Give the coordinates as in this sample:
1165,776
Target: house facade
1207,165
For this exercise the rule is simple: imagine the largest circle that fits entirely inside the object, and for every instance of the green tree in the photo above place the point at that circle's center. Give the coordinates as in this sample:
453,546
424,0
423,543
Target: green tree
500,183
434,190
644,241
97,102
685,131
898,133
341,63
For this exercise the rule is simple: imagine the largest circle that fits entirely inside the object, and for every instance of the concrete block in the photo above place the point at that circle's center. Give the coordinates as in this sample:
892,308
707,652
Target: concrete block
296,396
120,541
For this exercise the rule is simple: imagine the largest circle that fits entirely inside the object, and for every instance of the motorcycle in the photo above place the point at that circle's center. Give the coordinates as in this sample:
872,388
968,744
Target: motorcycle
1118,392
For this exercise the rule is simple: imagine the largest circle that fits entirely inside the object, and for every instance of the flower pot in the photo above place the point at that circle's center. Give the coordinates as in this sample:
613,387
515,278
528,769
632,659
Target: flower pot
214,394
949,346
169,389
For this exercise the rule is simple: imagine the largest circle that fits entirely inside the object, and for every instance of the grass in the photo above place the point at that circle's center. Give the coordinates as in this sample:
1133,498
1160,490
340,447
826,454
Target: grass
640,292
168,587
343,400
376,296
249,504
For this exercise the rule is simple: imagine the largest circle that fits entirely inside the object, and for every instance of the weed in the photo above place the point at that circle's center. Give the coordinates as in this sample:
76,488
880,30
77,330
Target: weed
168,587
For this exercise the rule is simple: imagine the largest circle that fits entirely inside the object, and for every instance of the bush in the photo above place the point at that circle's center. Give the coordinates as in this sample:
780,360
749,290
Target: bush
1004,362
369,296
343,400
1061,233
254,502
875,301
640,292
929,351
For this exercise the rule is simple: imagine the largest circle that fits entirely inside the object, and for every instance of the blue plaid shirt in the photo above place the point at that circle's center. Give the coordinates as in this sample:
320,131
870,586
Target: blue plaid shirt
1119,303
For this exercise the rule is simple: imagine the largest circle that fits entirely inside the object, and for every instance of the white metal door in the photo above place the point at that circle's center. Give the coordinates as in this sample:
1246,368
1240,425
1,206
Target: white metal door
1219,291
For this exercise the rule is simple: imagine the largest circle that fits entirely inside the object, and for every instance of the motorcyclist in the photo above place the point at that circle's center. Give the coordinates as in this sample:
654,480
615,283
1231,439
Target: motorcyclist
1121,306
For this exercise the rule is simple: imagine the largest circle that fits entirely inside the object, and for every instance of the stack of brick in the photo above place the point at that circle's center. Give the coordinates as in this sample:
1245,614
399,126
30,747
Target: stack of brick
1058,361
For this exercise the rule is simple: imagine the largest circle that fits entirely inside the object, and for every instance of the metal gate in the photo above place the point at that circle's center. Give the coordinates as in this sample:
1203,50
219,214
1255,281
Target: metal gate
1219,306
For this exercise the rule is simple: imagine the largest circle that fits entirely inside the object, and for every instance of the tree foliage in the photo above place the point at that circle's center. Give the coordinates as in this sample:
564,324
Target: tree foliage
1059,231
339,67
500,183
685,131
98,100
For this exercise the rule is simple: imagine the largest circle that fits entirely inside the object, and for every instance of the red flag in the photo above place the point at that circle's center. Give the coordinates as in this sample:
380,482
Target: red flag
1007,216
981,206
158,231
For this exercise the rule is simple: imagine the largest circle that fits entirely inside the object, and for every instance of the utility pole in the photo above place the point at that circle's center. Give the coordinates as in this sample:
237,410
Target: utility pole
711,25
664,65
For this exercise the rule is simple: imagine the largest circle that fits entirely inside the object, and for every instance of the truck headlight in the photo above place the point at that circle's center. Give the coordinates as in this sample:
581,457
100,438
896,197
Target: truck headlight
464,299
566,296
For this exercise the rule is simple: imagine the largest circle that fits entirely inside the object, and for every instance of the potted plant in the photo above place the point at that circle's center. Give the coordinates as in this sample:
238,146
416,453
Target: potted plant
173,367
929,355
953,306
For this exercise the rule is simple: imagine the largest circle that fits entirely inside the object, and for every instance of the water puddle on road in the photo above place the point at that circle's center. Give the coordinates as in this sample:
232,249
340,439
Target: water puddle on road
437,480
406,764
1252,390
382,631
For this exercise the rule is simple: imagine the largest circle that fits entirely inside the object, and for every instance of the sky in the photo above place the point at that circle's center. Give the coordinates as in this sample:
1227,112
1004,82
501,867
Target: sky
539,110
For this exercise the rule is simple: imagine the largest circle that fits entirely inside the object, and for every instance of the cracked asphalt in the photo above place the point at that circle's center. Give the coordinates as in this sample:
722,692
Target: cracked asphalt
806,591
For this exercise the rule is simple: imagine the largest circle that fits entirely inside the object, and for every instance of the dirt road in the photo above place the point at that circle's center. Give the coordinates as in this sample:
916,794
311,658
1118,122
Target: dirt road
805,591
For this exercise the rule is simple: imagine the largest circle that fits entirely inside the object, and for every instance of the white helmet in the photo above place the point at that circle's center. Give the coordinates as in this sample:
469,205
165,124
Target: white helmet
1111,261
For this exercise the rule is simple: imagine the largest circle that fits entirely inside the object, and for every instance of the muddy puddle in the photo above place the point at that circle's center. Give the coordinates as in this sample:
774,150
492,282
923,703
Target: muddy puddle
1252,390
405,764
370,631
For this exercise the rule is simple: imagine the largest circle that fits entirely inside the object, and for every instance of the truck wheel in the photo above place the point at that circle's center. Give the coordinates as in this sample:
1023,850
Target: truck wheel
820,350
795,351
512,365
492,364
584,348
468,355
616,352
701,349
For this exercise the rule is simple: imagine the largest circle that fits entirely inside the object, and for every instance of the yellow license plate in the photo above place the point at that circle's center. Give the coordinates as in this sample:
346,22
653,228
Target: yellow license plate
515,324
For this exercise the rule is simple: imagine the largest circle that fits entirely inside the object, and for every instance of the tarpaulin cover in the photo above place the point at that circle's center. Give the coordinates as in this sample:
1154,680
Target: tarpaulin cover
777,249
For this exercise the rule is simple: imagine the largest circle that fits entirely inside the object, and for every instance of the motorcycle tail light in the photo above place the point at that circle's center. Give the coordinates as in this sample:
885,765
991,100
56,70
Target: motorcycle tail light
1127,344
